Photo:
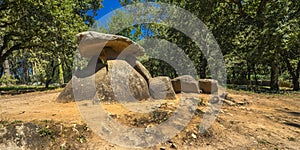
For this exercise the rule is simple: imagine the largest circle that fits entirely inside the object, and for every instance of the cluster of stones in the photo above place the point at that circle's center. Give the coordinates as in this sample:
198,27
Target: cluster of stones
119,76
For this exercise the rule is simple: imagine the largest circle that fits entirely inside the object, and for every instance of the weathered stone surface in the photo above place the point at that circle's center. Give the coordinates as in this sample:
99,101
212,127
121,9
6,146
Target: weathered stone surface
185,84
208,85
139,67
161,88
125,82
94,43
121,82
67,94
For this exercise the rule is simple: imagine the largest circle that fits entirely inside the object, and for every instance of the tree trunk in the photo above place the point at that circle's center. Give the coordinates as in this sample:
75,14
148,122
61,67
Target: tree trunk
249,72
296,83
49,79
274,85
6,68
48,83
1,71
61,72
275,66
255,74
296,78
33,67
232,80
294,73
203,68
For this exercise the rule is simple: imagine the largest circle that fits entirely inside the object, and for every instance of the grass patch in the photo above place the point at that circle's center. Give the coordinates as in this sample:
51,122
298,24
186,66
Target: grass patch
261,89
25,87
292,139
46,132
21,89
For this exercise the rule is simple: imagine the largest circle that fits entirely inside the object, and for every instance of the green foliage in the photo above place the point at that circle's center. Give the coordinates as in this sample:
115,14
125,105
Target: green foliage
7,80
259,38
43,132
39,36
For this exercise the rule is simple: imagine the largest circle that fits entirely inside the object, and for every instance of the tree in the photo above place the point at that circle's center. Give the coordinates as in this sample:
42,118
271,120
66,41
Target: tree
47,27
255,36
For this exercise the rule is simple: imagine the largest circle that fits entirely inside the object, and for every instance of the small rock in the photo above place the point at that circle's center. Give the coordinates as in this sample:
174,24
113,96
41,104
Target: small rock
243,108
107,131
224,95
194,136
149,129
170,141
22,112
247,101
214,100
162,148
201,103
229,114
230,103
240,103
199,112
114,116
174,146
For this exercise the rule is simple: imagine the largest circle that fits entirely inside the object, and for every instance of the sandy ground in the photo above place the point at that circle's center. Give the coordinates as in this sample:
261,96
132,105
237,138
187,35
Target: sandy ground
254,121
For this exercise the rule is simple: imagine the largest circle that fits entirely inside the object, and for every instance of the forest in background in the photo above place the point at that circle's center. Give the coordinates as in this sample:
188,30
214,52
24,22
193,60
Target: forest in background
259,39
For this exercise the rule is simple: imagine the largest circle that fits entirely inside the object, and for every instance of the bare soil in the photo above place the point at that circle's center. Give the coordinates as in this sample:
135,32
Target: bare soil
246,121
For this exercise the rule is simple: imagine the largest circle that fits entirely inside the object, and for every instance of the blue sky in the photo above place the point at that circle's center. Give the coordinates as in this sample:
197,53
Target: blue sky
108,6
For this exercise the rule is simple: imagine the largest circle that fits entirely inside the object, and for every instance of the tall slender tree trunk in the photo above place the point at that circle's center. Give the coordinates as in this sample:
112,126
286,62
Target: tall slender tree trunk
6,68
61,72
33,67
7,72
249,72
255,74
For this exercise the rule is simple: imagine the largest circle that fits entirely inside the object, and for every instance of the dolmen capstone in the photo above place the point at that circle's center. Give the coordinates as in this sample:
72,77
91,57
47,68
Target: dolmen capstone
107,46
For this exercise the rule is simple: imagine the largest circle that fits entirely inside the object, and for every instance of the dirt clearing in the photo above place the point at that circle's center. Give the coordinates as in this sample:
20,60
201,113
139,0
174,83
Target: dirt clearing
246,121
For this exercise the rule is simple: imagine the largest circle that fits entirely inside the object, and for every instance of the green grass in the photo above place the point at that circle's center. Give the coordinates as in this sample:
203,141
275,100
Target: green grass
292,139
21,89
24,87
260,89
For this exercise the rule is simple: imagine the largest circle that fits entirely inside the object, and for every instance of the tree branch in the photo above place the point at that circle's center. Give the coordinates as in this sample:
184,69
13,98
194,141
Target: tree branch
6,40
